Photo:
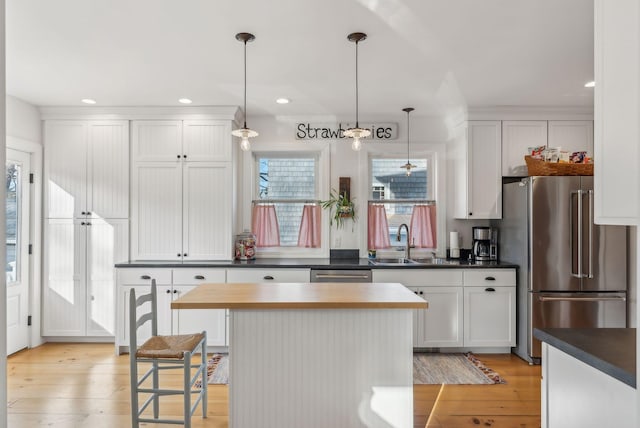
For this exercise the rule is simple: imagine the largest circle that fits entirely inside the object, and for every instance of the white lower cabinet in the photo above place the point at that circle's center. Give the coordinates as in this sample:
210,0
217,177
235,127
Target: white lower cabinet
471,308
171,284
441,324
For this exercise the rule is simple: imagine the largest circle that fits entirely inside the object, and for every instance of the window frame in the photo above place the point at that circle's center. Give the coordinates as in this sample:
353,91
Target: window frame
435,153
251,189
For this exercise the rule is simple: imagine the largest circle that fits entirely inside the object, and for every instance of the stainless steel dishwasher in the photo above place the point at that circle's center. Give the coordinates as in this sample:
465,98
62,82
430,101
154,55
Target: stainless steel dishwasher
340,275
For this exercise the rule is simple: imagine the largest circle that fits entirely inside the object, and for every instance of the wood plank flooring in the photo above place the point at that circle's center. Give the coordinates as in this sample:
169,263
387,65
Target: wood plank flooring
87,385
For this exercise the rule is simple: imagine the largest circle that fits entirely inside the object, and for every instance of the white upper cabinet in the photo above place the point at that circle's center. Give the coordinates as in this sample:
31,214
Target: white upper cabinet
616,109
571,135
182,196
517,137
477,165
87,168
207,140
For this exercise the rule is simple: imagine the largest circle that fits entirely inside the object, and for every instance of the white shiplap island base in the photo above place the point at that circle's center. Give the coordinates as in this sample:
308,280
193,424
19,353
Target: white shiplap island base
316,355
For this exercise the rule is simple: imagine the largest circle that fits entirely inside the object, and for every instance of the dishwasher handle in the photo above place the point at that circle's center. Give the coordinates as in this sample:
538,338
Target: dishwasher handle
341,276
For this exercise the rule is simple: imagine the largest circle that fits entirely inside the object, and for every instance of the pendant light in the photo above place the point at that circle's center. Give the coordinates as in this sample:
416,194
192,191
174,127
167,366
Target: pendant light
245,132
408,165
356,133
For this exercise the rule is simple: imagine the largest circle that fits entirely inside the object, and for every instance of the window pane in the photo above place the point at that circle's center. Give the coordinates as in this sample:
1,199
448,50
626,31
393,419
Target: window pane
389,179
291,178
12,223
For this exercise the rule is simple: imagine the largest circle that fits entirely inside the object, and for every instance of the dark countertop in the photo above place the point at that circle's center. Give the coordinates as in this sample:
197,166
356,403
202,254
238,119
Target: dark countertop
610,350
307,263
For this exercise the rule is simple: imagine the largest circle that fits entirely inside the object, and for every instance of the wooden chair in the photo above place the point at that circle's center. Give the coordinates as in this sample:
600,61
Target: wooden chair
163,353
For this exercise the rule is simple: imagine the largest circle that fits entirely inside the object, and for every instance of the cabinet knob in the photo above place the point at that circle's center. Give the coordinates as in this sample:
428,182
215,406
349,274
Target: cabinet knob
184,255
145,277
470,213
83,213
82,223
88,212
184,156
88,223
178,254
199,277
178,156
415,292
168,291
422,292
175,291
490,278
93,298
490,289
268,277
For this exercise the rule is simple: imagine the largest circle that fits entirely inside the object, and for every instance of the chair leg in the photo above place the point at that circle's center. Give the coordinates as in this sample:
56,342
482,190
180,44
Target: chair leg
205,380
133,370
156,387
187,389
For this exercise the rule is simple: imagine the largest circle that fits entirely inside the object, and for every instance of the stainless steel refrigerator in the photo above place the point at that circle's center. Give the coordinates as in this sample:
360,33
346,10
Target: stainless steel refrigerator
572,272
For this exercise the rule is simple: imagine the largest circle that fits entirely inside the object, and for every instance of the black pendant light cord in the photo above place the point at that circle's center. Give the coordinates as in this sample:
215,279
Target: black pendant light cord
245,84
357,123
408,138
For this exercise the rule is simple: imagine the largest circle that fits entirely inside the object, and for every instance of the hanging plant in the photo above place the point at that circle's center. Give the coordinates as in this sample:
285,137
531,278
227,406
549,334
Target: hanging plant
341,207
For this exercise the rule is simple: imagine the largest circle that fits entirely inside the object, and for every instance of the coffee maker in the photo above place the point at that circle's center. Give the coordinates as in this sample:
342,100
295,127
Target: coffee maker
485,244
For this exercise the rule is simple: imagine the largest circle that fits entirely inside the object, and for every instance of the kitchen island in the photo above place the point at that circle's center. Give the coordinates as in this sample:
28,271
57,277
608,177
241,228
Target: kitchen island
316,354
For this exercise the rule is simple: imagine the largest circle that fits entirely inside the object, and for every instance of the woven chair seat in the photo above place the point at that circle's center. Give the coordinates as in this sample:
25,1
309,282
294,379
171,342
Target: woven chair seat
169,346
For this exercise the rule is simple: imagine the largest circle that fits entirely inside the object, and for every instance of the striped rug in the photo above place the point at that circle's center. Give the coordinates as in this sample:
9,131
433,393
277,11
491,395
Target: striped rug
428,369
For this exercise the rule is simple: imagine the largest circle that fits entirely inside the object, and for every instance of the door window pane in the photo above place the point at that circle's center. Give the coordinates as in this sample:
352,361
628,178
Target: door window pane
12,222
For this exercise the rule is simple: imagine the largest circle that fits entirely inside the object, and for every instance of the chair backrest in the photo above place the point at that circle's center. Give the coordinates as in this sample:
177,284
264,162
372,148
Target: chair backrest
135,321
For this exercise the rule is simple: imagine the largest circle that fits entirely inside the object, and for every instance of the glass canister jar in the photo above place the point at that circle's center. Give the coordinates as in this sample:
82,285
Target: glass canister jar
245,246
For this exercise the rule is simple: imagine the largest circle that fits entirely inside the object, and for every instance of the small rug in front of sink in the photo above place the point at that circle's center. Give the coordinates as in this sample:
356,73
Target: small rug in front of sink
428,369
452,369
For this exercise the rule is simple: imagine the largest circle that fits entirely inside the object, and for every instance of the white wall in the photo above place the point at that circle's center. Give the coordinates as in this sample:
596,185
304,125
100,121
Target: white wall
3,295
426,131
23,120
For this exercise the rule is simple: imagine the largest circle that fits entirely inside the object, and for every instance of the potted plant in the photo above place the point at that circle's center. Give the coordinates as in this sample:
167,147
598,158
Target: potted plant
341,206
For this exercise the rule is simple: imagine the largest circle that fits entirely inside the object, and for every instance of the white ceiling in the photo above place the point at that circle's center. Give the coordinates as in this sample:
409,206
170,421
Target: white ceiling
429,54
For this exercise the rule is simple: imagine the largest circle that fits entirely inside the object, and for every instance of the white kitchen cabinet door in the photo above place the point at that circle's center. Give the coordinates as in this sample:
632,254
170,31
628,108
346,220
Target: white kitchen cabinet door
616,111
156,140
144,332
207,204
571,135
517,137
107,244
156,214
186,321
64,295
490,316
478,183
207,140
108,169
65,160
441,325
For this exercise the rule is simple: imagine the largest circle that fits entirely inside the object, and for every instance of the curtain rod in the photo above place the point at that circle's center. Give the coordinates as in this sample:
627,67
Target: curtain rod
402,201
284,201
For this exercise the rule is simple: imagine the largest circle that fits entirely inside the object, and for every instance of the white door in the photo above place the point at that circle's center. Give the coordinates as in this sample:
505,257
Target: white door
17,243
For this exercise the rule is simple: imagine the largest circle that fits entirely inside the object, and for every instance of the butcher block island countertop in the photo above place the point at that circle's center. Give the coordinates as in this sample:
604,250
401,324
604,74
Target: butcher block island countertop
316,355
328,295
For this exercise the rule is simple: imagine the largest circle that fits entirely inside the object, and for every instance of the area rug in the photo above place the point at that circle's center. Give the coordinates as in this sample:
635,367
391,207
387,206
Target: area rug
428,369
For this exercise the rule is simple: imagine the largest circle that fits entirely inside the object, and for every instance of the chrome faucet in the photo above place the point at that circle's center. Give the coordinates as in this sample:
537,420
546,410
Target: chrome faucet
407,250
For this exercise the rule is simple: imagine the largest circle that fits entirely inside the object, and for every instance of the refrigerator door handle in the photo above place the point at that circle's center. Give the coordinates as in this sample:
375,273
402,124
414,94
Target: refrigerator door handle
591,226
577,225
582,299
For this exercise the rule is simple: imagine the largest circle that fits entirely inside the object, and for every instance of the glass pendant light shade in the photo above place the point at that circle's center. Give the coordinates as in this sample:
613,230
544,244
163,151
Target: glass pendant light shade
357,133
245,132
408,166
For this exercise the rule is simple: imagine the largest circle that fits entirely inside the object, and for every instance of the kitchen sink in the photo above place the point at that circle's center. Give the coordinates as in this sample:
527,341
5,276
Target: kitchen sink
435,261
401,261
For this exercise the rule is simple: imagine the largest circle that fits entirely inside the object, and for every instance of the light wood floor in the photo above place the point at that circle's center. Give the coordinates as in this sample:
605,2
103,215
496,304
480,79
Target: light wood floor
87,385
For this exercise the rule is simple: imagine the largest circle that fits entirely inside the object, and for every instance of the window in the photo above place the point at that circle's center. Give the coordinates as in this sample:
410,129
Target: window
389,182
287,182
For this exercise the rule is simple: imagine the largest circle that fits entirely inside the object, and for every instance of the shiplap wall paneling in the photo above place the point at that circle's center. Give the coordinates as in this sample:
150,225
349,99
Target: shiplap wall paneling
207,140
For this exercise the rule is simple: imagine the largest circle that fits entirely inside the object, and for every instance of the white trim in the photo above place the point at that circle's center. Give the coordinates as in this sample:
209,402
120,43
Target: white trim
35,232
529,113
249,189
436,151
141,113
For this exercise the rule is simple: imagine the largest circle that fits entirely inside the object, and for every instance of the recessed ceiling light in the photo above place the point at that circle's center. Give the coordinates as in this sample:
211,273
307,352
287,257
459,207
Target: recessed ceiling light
88,101
283,101
590,84
185,101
